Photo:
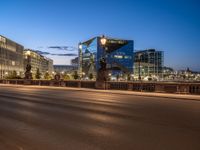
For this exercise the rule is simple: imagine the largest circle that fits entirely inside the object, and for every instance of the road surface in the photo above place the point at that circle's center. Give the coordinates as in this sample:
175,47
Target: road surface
54,119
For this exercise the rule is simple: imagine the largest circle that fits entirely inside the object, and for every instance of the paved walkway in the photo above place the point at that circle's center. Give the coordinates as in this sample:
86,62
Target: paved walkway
148,94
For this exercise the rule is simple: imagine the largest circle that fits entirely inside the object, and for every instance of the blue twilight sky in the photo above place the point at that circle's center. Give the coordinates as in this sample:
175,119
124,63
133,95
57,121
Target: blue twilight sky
169,25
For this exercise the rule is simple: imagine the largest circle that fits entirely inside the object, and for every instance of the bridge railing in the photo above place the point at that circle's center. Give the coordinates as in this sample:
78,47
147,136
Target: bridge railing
161,87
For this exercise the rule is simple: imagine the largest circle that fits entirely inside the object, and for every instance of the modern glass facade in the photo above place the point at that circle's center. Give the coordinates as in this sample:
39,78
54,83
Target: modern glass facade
118,54
148,63
11,57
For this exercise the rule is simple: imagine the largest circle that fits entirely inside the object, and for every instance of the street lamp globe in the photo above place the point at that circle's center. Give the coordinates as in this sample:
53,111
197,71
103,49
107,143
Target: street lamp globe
80,46
28,53
103,40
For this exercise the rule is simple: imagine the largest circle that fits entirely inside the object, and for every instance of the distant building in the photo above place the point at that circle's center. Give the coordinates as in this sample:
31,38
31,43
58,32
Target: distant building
11,57
148,63
118,54
168,70
38,61
65,68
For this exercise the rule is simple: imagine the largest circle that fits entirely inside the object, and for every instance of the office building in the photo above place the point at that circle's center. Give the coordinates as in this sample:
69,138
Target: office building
11,58
37,61
65,68
148,63
118,54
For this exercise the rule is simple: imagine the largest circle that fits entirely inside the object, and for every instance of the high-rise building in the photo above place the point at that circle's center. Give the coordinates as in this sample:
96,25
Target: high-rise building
11,57
117,53
37,61
65,68
148,63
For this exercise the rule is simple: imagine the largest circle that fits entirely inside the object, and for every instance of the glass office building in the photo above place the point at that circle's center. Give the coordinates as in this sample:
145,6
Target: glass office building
117,53
11,57
148,63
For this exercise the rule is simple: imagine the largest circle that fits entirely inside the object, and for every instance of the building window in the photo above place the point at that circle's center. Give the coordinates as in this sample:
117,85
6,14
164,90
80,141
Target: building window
118,56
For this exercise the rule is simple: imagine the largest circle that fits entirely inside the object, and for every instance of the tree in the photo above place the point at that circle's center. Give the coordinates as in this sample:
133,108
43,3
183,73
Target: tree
91,76
38,74
47,76
75,75
128,77
66,77
13,75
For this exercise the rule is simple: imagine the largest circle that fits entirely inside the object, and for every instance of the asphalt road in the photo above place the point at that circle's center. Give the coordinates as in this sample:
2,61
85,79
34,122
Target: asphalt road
52,119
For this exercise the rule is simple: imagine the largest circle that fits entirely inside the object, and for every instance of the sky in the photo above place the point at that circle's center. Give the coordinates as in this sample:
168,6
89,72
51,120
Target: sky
57,26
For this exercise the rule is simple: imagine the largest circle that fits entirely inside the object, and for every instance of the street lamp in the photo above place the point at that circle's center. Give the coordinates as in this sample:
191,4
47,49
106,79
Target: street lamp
102,71
28,73
28,53
1,61
103,40
83,75
80,46
103,43
103,59
139,69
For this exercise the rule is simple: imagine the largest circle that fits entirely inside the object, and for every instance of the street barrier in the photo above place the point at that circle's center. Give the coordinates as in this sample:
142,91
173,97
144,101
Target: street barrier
161,87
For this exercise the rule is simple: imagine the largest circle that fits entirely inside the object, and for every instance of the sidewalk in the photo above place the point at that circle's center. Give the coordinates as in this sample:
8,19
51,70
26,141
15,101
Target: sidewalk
146,94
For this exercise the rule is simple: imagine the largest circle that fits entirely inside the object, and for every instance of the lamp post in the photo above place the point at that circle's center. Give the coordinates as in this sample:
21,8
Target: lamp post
103,40
102,71
139,69
103,44
103,59
29,57
80,47
83,75
28,74
1,70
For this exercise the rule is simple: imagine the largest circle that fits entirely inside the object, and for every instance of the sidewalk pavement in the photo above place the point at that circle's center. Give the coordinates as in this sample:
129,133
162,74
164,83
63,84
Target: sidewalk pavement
146,94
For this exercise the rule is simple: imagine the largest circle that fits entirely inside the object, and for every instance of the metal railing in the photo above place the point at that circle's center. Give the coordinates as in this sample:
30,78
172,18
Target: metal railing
163,87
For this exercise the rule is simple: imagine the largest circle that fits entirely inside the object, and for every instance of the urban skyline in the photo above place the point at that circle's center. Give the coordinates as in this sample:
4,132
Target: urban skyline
172,28
99,75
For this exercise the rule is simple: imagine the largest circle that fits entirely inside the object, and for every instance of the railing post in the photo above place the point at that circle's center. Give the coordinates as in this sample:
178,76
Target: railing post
79,84
107,85
130,86
62,83
183,88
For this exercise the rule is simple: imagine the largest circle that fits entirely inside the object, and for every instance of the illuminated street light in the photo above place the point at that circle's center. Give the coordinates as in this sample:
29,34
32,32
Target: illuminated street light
80,46
103,40
139,67
28,53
